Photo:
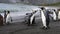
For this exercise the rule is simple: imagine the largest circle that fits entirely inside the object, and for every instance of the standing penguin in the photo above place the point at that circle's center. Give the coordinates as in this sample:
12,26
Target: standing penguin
28,19
45,18
8,18
32,19
54,15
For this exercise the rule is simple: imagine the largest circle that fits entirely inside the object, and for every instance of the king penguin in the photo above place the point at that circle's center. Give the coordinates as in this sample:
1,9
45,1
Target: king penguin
54,15
45,18
32,19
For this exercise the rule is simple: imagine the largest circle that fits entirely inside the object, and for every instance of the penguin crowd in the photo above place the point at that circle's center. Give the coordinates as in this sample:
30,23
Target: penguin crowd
45,17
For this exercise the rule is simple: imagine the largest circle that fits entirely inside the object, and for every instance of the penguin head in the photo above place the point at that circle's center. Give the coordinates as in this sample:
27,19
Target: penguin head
42,8
34,12
53,9
8,12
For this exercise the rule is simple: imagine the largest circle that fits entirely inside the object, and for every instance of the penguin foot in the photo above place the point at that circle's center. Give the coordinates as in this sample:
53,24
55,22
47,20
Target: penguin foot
44,27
